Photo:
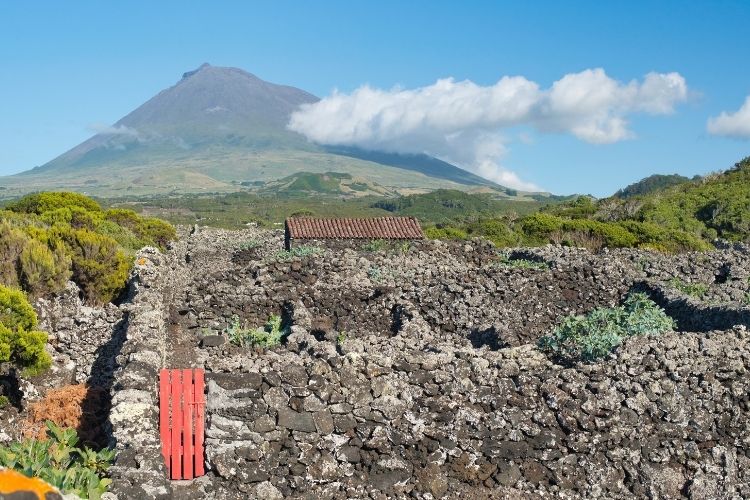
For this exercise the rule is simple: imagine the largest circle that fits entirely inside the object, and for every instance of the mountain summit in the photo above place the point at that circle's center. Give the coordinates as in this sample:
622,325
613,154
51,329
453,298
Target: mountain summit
216,129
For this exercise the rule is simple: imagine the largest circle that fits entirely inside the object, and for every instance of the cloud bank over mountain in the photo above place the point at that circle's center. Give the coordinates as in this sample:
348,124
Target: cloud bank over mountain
465,123
735,124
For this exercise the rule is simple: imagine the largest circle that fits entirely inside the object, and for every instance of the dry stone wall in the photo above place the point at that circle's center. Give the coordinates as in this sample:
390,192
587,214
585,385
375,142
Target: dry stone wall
139,470
413,373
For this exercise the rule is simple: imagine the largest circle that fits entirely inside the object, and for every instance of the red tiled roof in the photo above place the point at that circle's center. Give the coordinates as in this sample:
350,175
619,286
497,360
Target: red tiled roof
386,228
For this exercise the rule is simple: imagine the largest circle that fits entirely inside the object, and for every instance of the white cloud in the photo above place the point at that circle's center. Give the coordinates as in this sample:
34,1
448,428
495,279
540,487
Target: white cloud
463,122
101,128
735,124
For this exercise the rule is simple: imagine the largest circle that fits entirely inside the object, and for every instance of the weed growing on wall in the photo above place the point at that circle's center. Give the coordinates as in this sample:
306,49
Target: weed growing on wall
696,290
374,246
270,335
507,261
341,338
249,244
297,252
591,337
58,461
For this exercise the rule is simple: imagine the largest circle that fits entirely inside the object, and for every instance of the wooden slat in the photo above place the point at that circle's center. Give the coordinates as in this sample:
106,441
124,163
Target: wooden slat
164,428
187,424
199,408
176,453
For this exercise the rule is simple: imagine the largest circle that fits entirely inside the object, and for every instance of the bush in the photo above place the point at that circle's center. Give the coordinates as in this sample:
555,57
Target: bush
588,338
48,238
43,270
12,243
15,311
271,335
157,231
20,342
446,233
39,203
147,229
58,461
541,225
249,244
99,267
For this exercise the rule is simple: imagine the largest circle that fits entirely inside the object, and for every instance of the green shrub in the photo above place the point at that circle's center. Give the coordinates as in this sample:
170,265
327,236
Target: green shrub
43,270
446,233
270,335
588,338
4,401
20,342
541,225
498,231
15,310
12,243
696,290
48,238
99,267
39,203
155,231
58,461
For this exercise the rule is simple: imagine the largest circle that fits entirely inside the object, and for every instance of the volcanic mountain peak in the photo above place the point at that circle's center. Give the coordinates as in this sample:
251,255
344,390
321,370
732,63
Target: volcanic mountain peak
218,128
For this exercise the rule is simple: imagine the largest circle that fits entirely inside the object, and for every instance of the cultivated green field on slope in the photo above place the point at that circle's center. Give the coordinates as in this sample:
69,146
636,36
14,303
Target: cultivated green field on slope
237,209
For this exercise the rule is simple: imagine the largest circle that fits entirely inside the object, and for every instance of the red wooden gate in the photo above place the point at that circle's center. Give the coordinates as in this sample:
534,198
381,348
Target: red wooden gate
181,421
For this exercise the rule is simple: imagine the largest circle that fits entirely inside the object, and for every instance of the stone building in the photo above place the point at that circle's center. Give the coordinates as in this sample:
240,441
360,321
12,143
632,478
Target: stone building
346,231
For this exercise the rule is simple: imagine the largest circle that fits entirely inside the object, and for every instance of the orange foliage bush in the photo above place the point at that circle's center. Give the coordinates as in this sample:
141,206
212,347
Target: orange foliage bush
80,407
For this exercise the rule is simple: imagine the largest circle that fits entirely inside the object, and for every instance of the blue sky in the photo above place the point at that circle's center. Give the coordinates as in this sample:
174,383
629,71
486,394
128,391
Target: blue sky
67,66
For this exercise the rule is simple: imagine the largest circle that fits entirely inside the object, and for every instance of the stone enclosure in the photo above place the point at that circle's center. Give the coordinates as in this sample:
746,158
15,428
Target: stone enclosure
411,371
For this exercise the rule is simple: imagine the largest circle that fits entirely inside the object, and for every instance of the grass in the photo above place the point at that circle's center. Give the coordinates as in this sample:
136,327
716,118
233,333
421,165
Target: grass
4,401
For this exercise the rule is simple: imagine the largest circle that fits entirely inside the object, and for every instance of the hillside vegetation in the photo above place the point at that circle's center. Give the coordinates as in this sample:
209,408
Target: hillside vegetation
681,217
448,205
48,238
651,184
235,210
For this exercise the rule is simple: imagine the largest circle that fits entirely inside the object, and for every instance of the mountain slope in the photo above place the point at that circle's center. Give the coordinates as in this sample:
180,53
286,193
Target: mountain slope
213,130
